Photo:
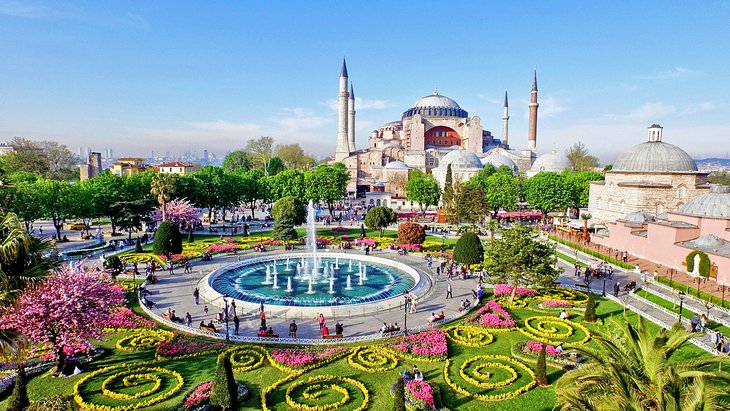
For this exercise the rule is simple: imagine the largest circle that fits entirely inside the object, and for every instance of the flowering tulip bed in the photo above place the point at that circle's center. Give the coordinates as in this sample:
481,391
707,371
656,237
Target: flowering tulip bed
428,345
200,396
505,289
556,303
555,331
492,315
302,359
181,344
420,395
123,318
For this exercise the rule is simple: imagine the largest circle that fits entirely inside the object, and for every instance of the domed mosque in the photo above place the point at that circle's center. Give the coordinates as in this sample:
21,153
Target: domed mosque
653,177
431,134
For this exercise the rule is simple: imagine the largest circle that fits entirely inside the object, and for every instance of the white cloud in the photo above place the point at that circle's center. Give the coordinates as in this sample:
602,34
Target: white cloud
675,73
360,104
647,111
699,107
550,106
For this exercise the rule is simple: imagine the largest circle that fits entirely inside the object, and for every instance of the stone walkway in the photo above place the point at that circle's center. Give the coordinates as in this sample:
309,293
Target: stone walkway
176,292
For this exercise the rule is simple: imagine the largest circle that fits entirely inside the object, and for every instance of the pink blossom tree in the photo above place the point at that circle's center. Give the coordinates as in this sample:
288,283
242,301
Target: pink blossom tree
179,211
65,311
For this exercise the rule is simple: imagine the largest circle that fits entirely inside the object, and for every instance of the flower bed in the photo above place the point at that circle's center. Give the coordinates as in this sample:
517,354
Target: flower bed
372,359
144,339
366,241
492,315
487,377
222,248
564,294
556,303
181,344
409,247
420,395
247,357
307,395
124,318
200,396
555,331
536,346
469,335
506,289
297,360
340,228
427,346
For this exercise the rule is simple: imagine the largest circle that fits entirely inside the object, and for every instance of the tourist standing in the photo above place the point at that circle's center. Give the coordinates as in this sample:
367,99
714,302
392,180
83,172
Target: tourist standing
320,320
188,319
196,294
293,329
616,288
694,321
263,320
449,291
236,322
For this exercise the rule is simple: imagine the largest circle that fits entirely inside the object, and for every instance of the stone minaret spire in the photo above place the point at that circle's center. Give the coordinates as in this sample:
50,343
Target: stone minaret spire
505,122
532,136
351,119
343,147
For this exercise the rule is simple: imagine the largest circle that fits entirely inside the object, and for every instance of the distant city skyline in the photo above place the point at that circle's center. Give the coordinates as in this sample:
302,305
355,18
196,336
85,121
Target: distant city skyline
134,77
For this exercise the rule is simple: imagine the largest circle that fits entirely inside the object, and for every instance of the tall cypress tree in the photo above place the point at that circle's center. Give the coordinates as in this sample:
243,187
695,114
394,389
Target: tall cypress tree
448,186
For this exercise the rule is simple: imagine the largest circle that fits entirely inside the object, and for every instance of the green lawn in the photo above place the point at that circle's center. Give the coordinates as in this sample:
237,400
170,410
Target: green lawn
686,313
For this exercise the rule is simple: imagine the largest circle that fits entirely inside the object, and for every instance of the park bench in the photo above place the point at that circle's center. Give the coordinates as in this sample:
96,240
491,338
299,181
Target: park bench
332,336
210,330
267,335
391,330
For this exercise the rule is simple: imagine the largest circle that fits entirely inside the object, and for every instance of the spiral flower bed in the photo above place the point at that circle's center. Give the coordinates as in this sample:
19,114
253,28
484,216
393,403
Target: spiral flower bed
134,388
469,336
143,340
565,294
425,346
554,331
492,315
372,359
490,377
247,357
326,392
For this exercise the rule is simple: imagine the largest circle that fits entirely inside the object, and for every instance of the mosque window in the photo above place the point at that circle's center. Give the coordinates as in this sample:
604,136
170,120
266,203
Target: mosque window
659,208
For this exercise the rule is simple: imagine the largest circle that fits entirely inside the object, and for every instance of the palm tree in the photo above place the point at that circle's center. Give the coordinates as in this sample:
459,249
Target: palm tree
585,217
493,226
633,369
162,187
23,262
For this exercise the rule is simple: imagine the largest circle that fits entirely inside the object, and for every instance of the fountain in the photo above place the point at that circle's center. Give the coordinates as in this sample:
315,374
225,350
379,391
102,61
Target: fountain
310,291
287,264
360,281
337,263
268,276
312,237
332,285
350,269
365,273
288,285
276,281
275,272
349,283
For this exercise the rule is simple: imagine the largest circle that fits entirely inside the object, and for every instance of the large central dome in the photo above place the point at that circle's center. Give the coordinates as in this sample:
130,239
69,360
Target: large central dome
436,105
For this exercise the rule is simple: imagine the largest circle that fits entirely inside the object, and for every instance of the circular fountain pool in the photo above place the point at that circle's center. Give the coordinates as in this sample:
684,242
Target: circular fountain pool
288,281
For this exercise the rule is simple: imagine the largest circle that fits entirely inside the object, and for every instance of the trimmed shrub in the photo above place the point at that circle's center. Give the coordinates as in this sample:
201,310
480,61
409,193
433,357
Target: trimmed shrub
19,398
224,392
411,233
115,264
590,314
399,394
284,229
469,249
138,246
541,368
167,239
704,268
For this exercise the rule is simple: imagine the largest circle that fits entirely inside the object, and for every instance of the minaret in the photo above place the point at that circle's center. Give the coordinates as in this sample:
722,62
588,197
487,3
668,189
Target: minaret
343,149
505,122
351,119
532,136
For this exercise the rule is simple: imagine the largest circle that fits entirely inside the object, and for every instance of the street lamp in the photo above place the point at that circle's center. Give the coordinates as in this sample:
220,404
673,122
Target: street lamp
226,317
681,300
405,312
604,285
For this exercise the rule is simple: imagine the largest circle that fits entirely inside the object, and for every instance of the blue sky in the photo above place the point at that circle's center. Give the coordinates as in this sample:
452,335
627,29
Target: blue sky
177,76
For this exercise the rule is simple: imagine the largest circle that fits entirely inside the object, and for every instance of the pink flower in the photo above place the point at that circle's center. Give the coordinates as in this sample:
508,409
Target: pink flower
123,317
297,358
505,289
537,347
339,228
199,396
428,343
492,315
221,248
421,391
366,241
556,303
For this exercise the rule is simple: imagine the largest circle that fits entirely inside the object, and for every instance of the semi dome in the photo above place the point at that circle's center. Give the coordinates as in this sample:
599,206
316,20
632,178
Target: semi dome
551,162
655,156
460,159
713,204
436,105
499,160
397,165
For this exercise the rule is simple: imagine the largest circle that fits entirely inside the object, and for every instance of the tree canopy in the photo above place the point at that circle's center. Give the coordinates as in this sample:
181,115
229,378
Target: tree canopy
546,191
423,189
380,217
580,159
468,249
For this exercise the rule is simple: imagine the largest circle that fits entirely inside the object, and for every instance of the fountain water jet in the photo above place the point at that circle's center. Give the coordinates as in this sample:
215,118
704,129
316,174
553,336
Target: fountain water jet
268,276
276,281
288,285
332,285
349,283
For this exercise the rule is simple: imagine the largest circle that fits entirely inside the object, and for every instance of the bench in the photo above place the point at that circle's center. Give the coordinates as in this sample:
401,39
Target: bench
332,336
267,335
166,317
210,330
391,330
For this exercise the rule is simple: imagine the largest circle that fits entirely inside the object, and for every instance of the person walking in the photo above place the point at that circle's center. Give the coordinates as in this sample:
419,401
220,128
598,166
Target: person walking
694,321
449,291
188,319
610,272
196,294
236,323
616,288
320,320
263,320
293,329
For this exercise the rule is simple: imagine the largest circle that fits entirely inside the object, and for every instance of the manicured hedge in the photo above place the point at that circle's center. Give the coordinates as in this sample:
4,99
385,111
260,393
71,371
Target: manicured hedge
593,253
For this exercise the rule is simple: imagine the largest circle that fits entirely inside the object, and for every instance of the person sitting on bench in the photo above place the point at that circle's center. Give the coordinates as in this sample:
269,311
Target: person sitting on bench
212,326
325,330
338,328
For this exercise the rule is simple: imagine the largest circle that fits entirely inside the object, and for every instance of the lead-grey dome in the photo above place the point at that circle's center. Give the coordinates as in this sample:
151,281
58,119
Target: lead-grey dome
460,159
397,165
553,161
713,204
436,105
655,156
499,160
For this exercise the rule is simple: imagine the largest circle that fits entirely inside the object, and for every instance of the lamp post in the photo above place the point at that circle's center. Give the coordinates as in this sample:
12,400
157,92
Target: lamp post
681,300
405,312
604,285
226,317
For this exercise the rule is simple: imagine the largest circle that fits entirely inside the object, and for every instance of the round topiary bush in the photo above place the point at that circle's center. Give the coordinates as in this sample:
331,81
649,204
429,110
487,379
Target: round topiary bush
469,249
167,239
411,233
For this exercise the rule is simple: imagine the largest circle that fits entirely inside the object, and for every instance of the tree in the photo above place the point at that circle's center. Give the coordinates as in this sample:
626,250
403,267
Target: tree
106,189
237,161
577,186
131,214
470,203
423,189
411,233
590,314
519,258
294,157
213,189
167,239
260,151
23,201
288,183
57,200
181,212
19,398
579,158
448,186
224,392
64,311
468,249
254,187
545,191
493,227
327,184
276,166
47,159
541,368
162,188
288,212
380,217
634,368
502,191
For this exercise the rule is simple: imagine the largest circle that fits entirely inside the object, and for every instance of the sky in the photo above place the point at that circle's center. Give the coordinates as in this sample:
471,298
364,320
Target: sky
176,76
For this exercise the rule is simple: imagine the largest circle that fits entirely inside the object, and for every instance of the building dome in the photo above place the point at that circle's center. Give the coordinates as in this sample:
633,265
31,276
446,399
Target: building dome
499,160
436,105
397,165
460,159
655,156
713,204
551,162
